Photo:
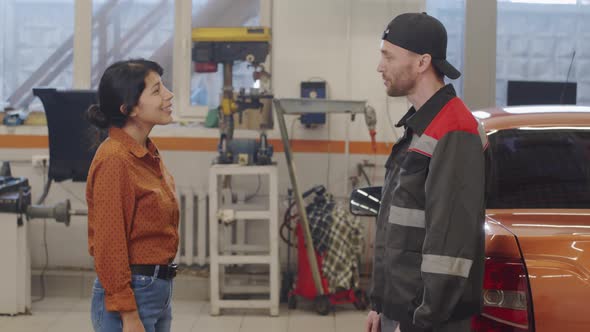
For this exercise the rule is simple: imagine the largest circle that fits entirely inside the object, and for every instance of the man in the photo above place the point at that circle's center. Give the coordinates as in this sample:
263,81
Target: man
429,247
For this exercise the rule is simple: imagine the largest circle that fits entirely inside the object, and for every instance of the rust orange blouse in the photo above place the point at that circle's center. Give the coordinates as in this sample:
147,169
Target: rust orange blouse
132,214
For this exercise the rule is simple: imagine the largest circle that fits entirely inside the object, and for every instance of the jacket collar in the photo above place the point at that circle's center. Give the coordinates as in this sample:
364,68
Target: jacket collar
419,120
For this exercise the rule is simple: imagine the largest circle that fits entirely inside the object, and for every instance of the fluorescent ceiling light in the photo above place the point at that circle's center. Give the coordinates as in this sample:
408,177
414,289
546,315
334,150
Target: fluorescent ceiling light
546,2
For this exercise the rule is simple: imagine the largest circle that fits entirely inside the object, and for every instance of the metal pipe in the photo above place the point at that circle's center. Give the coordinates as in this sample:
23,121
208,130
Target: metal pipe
228,88
61,212
82,212
226,117
299,200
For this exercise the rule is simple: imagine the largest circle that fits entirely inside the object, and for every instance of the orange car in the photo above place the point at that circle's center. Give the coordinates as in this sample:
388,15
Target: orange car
537,272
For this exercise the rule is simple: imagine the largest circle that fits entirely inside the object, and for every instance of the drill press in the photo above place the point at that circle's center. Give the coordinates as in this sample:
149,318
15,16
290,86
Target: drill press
213,46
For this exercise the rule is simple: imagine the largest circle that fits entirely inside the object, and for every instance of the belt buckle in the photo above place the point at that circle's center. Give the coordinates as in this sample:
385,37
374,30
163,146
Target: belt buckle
172,270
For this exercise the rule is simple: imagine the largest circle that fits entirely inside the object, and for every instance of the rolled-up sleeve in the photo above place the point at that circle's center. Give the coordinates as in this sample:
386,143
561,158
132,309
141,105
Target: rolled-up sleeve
111,202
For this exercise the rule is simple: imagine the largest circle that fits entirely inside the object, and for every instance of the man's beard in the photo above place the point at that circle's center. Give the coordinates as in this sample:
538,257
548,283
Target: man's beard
403,83
401,89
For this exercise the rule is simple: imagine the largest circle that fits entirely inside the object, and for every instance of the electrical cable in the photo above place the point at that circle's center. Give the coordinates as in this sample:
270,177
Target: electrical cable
567,78
248,198
42,276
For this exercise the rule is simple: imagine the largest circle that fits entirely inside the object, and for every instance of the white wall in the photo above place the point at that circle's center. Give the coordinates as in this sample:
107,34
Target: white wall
337,40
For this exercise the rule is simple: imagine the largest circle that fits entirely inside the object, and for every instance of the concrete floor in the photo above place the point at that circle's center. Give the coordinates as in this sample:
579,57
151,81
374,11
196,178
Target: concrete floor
60,314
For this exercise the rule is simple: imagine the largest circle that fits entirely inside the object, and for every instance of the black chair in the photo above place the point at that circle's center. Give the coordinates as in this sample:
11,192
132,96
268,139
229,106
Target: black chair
72,139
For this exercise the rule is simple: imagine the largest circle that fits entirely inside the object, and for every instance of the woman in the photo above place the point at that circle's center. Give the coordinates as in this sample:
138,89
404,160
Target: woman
132,208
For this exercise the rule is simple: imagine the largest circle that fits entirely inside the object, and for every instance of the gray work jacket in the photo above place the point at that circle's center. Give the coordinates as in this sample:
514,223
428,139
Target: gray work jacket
429,244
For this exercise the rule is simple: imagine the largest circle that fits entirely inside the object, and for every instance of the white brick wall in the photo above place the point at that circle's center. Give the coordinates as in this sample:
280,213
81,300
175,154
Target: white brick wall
536,43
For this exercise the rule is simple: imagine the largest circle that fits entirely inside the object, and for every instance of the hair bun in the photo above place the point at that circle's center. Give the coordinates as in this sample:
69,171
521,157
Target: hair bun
97,117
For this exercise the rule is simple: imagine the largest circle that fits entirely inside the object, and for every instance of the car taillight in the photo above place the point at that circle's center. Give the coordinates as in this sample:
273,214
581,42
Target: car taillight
506,298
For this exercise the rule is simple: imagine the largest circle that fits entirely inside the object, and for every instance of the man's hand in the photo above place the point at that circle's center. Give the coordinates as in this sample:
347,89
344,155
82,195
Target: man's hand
132,322
373,322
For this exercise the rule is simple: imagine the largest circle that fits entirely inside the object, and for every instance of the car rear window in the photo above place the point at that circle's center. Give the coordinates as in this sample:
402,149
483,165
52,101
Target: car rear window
539,168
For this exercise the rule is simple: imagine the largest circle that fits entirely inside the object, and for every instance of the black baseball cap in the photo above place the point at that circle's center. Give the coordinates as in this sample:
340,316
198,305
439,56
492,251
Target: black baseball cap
422,34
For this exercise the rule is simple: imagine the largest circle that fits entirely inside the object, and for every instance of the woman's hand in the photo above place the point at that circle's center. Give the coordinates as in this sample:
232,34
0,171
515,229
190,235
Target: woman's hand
132,322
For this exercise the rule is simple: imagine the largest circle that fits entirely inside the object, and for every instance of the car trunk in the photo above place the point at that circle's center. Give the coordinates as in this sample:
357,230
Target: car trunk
555,245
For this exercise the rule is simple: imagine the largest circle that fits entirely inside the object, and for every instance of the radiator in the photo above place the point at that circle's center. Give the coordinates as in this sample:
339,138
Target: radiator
194,229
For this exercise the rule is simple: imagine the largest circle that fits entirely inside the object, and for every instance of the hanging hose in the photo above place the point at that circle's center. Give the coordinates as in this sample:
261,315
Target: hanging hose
364,174
287,220
47,185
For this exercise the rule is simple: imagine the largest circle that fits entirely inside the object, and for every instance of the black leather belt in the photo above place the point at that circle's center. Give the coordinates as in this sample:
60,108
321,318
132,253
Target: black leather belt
165,272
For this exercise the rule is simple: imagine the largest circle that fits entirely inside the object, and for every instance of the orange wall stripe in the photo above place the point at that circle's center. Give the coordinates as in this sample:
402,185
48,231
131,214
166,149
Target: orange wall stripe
186,143
210,144
311,146
361,147
24,142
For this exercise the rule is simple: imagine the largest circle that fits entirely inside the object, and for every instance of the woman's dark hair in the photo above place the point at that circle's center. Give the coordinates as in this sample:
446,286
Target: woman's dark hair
121,84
